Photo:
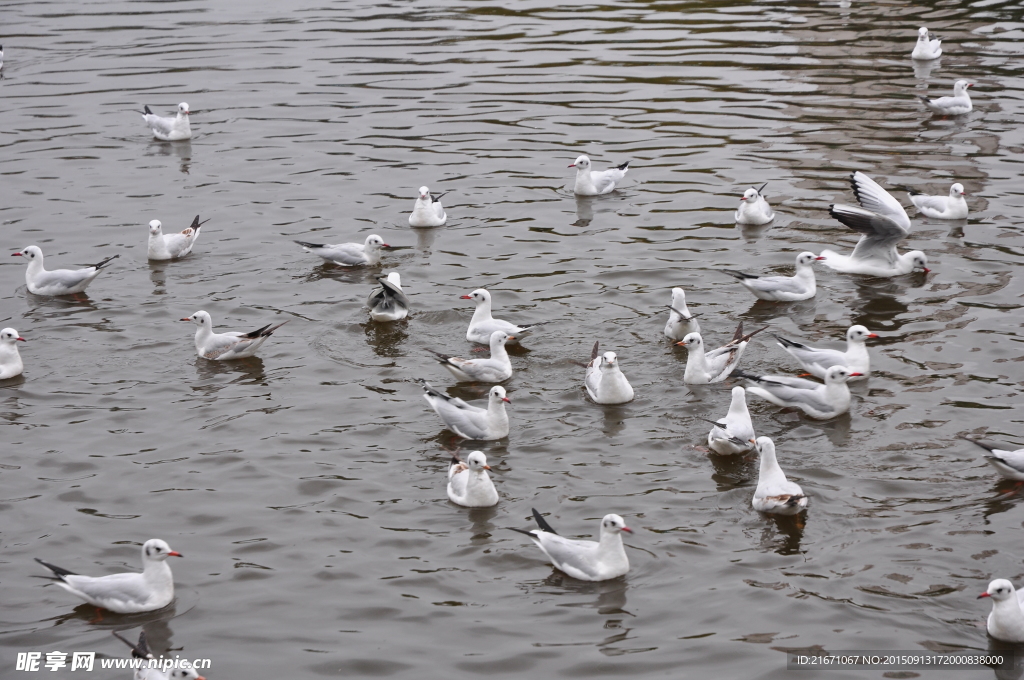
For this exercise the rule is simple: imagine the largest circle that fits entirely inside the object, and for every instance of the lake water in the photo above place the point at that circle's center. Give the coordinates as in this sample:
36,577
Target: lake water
306,487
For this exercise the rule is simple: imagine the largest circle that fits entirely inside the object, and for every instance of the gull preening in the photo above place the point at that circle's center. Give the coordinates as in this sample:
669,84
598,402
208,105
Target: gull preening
59,281
774,493
11,365
469,485
680,322
818,401
230,345
592,183
800,286
951,207
126,593
584,560
604,380
467,421
927,47
1009,464
169,129
816,360
387,302
754,209
958,104
172,246
734,433
348,254
496,368
142,651
428,211
703,367
1006,621
483,325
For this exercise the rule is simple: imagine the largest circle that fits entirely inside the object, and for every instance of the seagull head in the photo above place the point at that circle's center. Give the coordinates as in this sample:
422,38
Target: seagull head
581,163
956,190
374,241
10,336
691,340
806,259
29,253
479,295
608,360
499,338
613,524
498,394
155,228
920,260
859,333
157,550
839,374
763,444
749,195
999,590
477,461
200,318
424,194
922,33
183,109
960,87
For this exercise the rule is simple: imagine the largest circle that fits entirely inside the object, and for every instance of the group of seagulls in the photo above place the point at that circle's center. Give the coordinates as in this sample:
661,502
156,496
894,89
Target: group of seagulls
879,218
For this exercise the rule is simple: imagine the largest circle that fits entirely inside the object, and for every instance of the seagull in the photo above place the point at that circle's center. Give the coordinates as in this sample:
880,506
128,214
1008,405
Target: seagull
230,345
467,421
872,197
428,211
58,281
469,485
388,302
126,593
680,322
497,368
734,433
584,560
182,670
483,325
1006,622
604,381
348,254
956,105
875,253
816,360
800,286
172,246
951,207
818,401
592,183
1009,464
927,47
10,360
142,651
169,129
754,209
774,493
703,368
1,56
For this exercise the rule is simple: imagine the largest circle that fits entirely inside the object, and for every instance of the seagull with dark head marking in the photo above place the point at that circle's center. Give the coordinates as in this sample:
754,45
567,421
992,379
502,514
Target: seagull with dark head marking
775,493
172,246
754,208
169,129
428,211
604,380
57,281
469,485
230,345
348,254
584,560
704,367
466,420
593,183
800,286
957,105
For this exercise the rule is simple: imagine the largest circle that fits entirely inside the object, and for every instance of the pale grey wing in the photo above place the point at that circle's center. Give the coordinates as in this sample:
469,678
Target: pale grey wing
124,587
780,487
220,343
777,284
813,356
346,253
176,244
796,383
162,125
880,233
718,359
458,482
488,327
593,377
605,181
576,558
438,210
477,369
470,421
796,395
66,278
937,203
876,199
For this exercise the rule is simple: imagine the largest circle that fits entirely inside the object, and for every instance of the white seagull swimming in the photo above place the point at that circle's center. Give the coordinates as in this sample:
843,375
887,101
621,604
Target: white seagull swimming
388,302
230,345
927,47
469,485
818,401
428,211
494,369
734,433
467,421
142,651
703,368
172,246
584,560
1009,464
11,365
775,493
958,104
483,325
169,129
59,281
800,286
348,254
680,322
592,183
126,593
604,380
754,209
1006,621
951,207
817,360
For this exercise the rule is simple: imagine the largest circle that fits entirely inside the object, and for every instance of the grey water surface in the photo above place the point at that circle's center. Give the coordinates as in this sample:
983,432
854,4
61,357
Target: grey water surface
306,487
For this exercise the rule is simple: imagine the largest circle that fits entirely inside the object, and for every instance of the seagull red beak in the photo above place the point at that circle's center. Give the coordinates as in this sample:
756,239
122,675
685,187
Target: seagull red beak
855,374
465,297
573,165
872,335
174,553
743,198
15,254
487,467
970,84
926,270
187,318
384,245
819,258
506,400
983,595
681,343
22,339
627,530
